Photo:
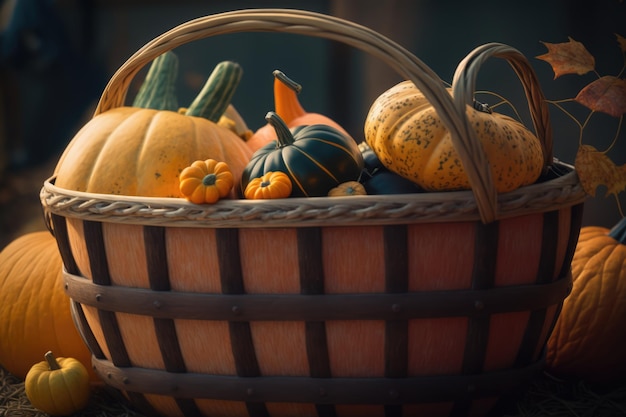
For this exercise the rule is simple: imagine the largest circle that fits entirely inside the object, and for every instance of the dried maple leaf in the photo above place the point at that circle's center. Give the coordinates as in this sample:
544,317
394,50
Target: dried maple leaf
595,169
568,58
606,94
622,42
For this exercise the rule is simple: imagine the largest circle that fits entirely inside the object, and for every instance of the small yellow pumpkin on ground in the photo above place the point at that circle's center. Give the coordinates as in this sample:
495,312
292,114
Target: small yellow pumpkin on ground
589,338
206,181
274,184
408,137
347,188
58,386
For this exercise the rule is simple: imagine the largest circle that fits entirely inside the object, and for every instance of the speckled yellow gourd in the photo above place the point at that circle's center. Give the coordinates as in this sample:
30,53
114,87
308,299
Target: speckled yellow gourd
409,138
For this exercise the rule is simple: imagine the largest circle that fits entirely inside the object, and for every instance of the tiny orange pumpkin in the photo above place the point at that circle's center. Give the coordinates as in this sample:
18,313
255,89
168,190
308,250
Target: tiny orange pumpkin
274,184
206,181
348,188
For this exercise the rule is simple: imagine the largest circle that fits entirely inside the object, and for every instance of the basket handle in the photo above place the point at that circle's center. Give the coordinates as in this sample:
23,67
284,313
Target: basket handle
314,24
464,82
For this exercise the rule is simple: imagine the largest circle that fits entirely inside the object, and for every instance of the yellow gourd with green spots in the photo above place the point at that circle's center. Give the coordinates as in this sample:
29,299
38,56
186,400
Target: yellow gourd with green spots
409,138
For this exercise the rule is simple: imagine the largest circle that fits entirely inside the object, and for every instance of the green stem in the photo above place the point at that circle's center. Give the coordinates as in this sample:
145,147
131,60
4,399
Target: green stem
217,93
618,232
52,361
209,179
283,134
158,91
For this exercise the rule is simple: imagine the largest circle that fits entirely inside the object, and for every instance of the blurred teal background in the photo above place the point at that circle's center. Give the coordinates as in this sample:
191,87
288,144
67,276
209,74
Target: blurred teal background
58,55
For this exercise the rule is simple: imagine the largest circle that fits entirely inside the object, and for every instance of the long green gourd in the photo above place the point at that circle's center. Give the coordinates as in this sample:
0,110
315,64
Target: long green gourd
217,93
158,91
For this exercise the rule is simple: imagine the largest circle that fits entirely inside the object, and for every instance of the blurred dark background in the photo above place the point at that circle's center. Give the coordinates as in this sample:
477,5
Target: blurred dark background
56,57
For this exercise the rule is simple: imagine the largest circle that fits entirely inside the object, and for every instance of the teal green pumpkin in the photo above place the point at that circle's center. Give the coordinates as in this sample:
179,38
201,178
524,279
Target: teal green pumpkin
316,158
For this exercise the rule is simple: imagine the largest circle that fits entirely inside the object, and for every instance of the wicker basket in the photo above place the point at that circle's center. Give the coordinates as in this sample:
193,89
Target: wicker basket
416,304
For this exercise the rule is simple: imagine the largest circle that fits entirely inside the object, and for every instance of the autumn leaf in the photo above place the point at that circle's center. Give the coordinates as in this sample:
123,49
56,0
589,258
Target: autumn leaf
606,94
568,58
595,169
622,42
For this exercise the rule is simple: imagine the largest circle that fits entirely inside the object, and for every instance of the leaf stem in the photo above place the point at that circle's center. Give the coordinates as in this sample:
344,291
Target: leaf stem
619,129
619,205
503,100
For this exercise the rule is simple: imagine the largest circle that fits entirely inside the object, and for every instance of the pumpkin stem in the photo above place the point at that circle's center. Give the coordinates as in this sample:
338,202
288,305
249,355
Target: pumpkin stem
483,107
52,361
283,134
158,90
209,179
218,91
286,102
618,232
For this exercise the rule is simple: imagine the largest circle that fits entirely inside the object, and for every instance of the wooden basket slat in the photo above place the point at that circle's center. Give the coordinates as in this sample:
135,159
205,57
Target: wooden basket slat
576,220
251,307
410,390
156,258
80,321
309,241
549,246
96,250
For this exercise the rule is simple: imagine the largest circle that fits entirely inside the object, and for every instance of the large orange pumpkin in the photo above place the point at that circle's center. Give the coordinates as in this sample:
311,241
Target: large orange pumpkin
141,151
35,313
589,339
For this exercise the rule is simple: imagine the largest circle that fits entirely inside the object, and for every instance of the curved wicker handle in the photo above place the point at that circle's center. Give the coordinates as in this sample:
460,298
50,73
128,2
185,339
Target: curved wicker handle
464,81
307,23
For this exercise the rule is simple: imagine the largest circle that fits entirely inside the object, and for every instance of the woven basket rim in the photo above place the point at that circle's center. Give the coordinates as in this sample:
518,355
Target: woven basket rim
427,207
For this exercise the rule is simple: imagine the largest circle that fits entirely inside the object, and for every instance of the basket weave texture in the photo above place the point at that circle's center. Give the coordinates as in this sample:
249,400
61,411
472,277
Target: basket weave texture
420,304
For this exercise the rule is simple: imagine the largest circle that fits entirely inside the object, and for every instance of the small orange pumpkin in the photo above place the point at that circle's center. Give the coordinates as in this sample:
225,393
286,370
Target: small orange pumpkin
206,181
274,184
347,188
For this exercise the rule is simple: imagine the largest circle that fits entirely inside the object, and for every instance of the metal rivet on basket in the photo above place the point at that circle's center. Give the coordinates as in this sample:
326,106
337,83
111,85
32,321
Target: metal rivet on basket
98,297
125,380
393,394
396,308
157,304
479,305
236,310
